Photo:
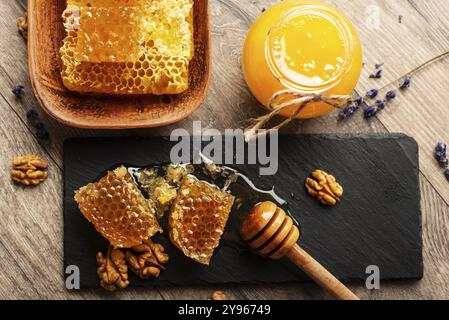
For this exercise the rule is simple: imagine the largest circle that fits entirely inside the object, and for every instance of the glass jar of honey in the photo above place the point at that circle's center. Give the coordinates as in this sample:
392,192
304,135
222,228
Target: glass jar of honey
303,45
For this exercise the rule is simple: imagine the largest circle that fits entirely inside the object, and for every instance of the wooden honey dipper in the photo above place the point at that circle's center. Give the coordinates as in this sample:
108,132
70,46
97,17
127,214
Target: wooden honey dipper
271,232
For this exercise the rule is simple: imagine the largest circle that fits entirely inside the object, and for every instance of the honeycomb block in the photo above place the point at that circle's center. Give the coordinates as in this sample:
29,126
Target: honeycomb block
162,63
118,210
198,218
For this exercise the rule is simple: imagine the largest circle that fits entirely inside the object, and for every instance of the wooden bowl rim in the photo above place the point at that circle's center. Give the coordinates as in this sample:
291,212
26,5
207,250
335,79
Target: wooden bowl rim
65,119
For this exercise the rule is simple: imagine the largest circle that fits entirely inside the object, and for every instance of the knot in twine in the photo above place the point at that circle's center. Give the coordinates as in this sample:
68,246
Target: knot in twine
284,99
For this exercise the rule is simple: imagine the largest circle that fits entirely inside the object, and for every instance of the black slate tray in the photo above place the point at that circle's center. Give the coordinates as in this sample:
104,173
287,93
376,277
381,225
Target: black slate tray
377,223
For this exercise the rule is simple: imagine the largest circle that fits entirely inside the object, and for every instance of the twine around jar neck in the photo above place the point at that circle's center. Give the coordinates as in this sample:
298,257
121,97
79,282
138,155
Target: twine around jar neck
284,99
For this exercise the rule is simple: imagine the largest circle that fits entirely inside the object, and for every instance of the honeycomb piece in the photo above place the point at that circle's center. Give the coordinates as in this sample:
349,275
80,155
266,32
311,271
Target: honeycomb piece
162,68
198,218
113,34
118,210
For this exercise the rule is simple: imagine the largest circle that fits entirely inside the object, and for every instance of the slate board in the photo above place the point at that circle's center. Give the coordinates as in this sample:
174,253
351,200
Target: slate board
378,222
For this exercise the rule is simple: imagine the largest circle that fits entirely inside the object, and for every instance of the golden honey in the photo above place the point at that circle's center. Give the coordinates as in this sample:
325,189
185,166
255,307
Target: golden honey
303,45
198,218
137,47
111,34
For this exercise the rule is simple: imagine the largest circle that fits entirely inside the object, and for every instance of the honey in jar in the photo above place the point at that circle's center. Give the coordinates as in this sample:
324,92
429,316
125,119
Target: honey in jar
307,46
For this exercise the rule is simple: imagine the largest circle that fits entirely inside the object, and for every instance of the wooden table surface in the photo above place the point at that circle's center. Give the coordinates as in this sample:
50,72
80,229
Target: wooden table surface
31,230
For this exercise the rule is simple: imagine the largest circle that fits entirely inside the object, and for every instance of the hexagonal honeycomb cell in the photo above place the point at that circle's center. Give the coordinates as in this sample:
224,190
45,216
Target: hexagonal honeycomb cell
198,218
163,57
118,210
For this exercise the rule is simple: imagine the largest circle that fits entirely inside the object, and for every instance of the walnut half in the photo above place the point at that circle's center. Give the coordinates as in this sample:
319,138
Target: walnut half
219,295
29,170
22,26
324,187
112,270
147,260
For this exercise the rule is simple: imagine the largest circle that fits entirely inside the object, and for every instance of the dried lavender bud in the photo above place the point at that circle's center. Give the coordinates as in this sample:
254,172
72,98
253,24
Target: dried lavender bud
380,104
446,173
441,154
32,115
39,126
18,90
42,134
371,111
378,65
348,112
440,150
441,147
376,75
444,163
401,18
371,94
406,83
390,95
358,102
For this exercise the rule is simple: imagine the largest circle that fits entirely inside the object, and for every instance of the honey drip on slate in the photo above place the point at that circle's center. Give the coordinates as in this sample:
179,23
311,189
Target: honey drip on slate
246,193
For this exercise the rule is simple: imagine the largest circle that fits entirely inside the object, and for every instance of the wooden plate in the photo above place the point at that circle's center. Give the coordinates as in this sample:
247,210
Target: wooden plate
45,35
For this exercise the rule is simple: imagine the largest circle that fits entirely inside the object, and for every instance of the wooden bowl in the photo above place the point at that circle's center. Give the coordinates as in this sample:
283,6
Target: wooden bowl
45,35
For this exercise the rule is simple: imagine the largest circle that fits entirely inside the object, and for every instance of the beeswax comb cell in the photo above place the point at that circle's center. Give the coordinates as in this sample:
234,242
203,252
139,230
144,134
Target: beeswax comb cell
158,65
198,218
118,210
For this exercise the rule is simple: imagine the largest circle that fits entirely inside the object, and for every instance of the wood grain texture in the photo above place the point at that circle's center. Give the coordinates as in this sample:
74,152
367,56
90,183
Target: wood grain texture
45,35
422,111
34,216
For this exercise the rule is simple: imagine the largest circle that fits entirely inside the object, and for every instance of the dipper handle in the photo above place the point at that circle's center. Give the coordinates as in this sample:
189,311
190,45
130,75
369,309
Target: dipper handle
319,274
